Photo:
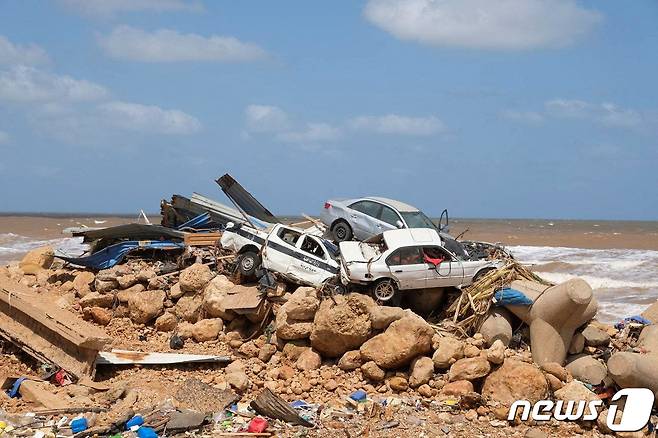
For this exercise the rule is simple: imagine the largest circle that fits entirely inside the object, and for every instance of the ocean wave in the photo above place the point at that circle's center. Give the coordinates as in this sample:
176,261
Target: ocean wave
598,282
13,245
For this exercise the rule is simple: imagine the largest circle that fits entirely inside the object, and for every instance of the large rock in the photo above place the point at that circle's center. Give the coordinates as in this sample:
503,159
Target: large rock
595,337
308,360
207,329
195,278
98,315
94,299
403,340
651,313
469,369
82,282
496,353
575,391
103,286
214,295
303,304
124,295
188,307
449,351
166,322
556,370
382,316
175,292
146,306
126,281
290,329
456,389
515,380
37,260
342,325
372,372
351,360
422,370
586,369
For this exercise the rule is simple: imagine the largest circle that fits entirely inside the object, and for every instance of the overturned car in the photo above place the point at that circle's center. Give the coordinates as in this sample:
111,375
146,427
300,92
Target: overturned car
409,259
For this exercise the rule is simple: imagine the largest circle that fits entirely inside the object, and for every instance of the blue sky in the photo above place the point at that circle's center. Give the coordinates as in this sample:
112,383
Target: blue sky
514,108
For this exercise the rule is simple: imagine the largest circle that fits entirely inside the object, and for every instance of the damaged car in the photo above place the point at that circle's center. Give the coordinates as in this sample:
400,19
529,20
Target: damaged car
409,259
293,254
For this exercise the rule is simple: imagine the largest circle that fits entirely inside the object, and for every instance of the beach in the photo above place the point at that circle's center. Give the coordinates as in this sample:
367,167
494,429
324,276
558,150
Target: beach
619,259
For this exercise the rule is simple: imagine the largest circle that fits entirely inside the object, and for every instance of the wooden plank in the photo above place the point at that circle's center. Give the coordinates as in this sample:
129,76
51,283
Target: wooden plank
38,393
128,357
48,334
202,239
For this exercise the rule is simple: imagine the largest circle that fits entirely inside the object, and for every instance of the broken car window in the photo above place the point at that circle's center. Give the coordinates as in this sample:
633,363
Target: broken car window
367,207
289,236
310,246
389,216
410,255
417,219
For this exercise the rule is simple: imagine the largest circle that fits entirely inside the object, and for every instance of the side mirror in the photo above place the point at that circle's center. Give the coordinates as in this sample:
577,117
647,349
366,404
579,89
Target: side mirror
399,224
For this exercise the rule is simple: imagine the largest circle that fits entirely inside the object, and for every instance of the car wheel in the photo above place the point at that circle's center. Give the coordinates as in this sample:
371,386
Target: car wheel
386,292
247,264
341,231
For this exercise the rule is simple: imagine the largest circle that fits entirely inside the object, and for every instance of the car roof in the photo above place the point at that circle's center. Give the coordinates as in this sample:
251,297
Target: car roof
411,236
398,205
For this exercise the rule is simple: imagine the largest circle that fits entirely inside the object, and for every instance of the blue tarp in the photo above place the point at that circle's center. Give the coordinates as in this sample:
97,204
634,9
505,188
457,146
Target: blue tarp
113,254
511,297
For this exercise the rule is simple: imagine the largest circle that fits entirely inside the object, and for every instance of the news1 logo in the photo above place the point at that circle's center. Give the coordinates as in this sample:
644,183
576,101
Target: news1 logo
636,411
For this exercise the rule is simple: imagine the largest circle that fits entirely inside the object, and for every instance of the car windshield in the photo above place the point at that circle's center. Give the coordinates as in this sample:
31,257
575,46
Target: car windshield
417,219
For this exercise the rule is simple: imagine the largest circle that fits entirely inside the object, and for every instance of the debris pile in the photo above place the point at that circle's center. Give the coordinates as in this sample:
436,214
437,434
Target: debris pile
159,345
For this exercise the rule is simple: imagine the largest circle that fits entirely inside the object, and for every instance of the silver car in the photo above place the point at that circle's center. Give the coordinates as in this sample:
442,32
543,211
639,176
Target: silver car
366,217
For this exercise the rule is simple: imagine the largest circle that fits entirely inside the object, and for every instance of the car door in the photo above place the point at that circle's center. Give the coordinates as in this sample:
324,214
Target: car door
280,249
363,218
442,269
310,263
388,219
407,266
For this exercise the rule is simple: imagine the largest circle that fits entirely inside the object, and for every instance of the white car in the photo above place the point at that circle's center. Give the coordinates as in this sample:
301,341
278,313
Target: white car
413,258
291,252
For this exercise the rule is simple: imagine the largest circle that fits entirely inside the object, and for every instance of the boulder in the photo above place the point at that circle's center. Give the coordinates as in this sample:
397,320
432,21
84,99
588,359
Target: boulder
98,314
496,353
145,275
351,360
340,326
556,370
308,360
124,295
553,382
422,370
586,369
185,329
290,329
595,337
382,316
166,322
188,307
195,278
83,281
403,340
292,350
207,329
398,383
456,389
515,380
126,281
94,299
449,351
577,344
469,369
371,371
238,380
497,326
107,274
175,292
575,391
37,260
266,352
302,304
103,286
214,295
146,306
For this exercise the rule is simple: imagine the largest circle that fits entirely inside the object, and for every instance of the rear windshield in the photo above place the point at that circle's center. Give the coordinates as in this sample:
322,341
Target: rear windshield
417,219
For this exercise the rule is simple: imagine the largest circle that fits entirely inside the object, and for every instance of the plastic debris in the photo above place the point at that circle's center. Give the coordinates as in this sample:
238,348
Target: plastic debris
146,432
359,395
79,424
134,422
257,425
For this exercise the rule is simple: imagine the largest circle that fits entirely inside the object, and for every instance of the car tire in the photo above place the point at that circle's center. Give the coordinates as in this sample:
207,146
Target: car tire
248,263
386,292
341,231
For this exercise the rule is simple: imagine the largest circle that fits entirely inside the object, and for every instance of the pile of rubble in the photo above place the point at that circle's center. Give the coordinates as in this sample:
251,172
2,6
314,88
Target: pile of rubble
342,360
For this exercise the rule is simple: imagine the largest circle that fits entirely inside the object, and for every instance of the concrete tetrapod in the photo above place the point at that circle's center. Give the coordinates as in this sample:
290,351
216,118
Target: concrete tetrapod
497,325
638,370
556,313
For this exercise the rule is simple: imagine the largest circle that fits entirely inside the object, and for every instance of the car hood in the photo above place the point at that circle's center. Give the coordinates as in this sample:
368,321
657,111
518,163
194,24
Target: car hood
351,252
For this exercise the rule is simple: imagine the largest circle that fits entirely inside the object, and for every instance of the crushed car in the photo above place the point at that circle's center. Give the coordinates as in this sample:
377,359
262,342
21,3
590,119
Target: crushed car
363,218
409,259
290,252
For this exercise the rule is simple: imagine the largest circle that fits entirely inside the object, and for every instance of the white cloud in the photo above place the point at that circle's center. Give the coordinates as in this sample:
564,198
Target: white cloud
266,118
4,137
27,84
396,124
108,8
311,133
608,114
523,116
164,45
148,118
484,24
14,54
